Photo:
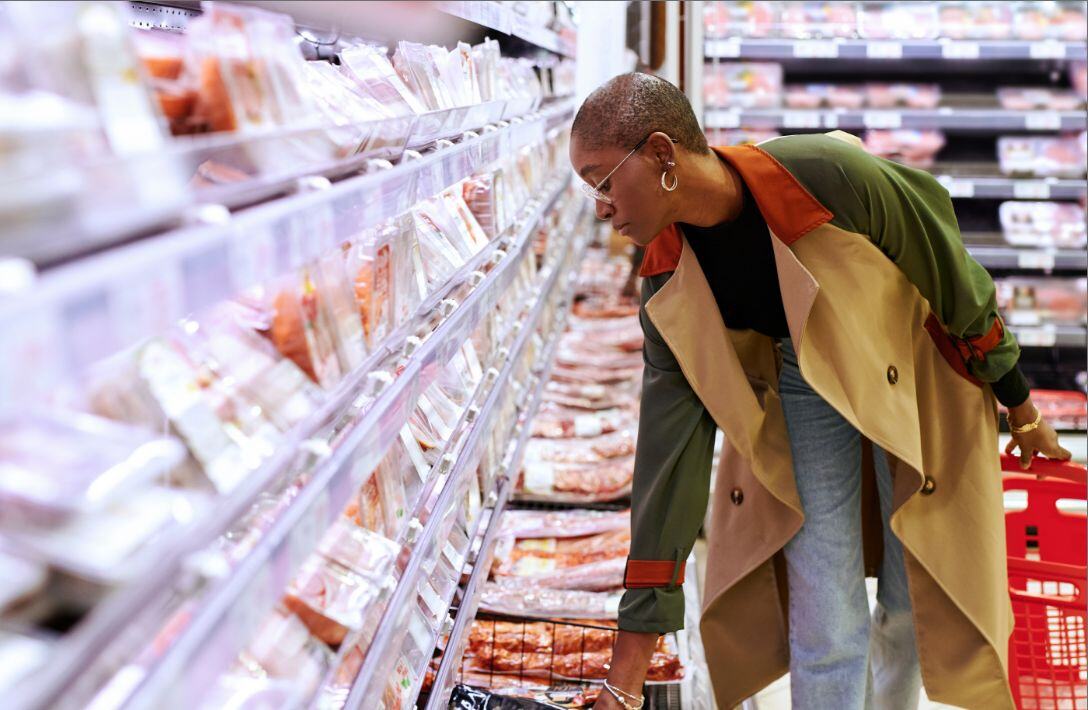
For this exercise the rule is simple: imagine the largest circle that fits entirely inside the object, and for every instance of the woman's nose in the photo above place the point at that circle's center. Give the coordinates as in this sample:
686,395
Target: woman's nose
604,210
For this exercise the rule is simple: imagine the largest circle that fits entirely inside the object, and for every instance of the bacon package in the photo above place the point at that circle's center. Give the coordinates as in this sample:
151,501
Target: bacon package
576,483
1059,225
743,84
532,602
911,147
583,450
588,562
562,523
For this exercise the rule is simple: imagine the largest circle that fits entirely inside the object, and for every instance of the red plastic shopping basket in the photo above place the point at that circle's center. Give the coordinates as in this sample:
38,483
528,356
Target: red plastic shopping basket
1048,668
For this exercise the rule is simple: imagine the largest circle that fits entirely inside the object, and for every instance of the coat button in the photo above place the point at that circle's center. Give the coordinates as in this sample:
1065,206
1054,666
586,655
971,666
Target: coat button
737,496
928,486
893,375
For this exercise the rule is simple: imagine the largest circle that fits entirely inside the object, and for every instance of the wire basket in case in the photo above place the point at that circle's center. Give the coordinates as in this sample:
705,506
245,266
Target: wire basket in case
1046,540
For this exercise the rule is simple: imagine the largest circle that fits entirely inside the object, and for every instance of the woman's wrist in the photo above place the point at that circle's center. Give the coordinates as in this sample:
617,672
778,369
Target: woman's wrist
1022,414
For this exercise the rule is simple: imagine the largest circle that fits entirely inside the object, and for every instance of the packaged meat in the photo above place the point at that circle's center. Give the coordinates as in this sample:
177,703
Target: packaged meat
976,20
898,21
911,147
334,588
550,558
55,466
612,306
118,541
283,649
421,68
1034,301
561,523
466,697
370,262
1040,20
554,603
920,96
340,104
301,328
739,19
1047,225
1063,409
1043,156
440,257
743,84
480,193
817,95
560,423
375,76
468,228
583,450
599,482
808,20
1078,78
1038,98
568,373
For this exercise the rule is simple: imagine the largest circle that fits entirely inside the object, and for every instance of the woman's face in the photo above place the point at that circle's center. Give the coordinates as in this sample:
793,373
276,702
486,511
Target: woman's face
639,205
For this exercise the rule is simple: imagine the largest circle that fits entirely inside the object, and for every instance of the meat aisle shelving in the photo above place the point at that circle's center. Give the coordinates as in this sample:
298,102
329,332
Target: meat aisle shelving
989,97
273,322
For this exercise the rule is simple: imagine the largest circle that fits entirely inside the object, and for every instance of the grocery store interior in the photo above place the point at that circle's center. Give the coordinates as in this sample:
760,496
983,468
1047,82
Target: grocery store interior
320,377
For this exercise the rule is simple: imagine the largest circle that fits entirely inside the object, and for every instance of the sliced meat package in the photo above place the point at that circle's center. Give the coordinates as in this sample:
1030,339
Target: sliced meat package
551,558
515,601
571,373
606,306
562,523
558,422
1058,225
585,450
1035,301
1043,156
577,483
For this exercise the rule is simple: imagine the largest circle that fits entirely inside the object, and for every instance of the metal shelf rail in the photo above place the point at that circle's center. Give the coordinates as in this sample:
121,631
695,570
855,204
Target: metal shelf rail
750,48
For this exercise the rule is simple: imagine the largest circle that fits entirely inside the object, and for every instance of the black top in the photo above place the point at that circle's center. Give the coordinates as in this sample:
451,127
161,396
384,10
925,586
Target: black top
738,261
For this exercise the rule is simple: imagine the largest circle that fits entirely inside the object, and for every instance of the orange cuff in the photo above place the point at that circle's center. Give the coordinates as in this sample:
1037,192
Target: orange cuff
976,348
643,574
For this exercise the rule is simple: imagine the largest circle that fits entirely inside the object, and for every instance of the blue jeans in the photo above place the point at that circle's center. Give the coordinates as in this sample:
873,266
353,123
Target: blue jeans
841,657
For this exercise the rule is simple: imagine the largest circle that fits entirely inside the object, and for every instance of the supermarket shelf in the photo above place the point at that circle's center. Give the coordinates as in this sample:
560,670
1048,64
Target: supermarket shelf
1012,258
734,48
501,18
473,589
1049,335
81,313
947,118
229,610
963,185
370,679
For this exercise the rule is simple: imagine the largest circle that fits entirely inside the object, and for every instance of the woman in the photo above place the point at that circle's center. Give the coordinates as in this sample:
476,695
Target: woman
815,303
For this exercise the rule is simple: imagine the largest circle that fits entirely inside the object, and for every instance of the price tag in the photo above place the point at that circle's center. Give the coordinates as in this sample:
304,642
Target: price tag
1024,318
1031,190
815,49
960,50
723,48
958,188
831,120
1036,260
884,50
1043,336
1047,50
800,119
1043,121
882,119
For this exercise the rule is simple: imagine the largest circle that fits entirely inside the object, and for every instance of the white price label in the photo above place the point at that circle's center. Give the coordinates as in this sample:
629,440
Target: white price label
815,49
884,50
960,50
723,119
539,478
587,425
1047,50
1043,121
801,119
723,48
1031,190
1024,318
1036,260
831,120
1043,336
612,605
882,119
959,188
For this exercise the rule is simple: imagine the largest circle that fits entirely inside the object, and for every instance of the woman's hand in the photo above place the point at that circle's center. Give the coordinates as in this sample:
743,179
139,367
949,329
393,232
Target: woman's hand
630,660
1041,440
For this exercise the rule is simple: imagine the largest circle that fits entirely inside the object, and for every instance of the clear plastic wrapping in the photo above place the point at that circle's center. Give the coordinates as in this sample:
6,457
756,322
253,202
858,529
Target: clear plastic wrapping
1058,225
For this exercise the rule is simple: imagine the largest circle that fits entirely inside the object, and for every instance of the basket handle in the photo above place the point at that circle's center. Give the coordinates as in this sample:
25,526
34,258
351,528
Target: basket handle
1046,468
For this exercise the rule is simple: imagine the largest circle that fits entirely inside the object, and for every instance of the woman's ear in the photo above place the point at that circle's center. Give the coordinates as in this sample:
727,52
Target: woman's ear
662,148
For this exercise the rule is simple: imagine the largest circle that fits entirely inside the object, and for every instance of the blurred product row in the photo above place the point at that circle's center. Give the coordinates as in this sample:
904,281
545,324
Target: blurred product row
898,20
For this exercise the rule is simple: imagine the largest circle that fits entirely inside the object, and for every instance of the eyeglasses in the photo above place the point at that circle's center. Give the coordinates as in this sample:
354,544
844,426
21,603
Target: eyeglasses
597,192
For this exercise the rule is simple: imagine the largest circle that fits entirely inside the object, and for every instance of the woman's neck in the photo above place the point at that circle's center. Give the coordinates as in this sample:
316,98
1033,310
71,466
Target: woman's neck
712,192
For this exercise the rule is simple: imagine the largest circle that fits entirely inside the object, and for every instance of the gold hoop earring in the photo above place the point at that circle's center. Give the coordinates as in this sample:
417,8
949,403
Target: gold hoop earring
675,182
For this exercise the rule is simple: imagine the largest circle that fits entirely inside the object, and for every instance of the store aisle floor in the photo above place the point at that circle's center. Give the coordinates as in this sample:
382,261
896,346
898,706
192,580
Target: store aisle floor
777,695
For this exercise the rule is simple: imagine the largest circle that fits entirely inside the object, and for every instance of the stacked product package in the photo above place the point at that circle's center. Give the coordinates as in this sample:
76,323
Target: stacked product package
548,609
157,437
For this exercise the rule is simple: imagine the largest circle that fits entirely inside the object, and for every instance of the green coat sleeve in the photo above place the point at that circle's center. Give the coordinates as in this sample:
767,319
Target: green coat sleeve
909,216
672,478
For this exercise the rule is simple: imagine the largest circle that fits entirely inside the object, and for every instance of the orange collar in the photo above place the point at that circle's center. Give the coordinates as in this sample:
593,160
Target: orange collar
790,210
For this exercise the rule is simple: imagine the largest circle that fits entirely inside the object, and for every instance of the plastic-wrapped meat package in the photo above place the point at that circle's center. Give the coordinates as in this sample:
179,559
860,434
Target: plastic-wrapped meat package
437,244
743,84
470,231
612,306
804,20
739,19
588,483
1031,301
486,56
1035,98
816,95
554,422
568,603
369,262
381,504
554,557
574,396
898,21
1063,21
717,136
282,650
921,96
478,192
54,466
162,55
227,436
1058,225
334,588
911,147
586,450
572,353
1063,409
417,66
1078,78
561,523
337,99
375,76
976,20
1047,156
426,433
568,373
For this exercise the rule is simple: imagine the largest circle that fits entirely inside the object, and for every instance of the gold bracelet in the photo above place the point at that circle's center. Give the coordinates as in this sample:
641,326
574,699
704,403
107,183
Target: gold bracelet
1028,427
